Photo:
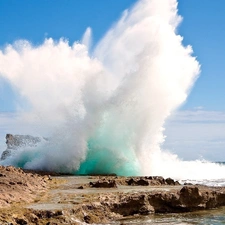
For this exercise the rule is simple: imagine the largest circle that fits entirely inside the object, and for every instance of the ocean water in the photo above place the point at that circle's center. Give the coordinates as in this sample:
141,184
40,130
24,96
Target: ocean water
103,109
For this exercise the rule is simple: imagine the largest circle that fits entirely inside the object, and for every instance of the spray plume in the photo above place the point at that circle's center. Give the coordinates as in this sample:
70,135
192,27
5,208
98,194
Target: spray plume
104,112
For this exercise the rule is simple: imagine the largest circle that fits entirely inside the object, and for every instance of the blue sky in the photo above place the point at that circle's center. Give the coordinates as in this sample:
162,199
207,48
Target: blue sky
203,27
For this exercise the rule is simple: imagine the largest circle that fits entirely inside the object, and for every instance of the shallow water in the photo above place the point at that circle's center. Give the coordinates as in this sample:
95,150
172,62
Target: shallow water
67,195
214,183
209,217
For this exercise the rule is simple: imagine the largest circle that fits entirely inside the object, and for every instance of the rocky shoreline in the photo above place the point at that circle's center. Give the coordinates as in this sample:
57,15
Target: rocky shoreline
17,185
30,198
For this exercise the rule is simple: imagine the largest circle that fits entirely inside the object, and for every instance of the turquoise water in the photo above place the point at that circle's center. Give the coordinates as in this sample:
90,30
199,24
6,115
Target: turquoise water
110,151
101,159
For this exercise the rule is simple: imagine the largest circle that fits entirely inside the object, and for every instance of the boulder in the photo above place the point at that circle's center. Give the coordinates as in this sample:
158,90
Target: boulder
131,204
151,180
103,184
190,196
138,182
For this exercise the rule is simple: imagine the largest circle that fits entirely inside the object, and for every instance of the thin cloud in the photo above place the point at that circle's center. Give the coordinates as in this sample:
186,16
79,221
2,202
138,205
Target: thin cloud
198,116
196,134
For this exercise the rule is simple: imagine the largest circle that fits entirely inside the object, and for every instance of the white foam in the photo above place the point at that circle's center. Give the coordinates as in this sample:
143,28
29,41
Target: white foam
108,107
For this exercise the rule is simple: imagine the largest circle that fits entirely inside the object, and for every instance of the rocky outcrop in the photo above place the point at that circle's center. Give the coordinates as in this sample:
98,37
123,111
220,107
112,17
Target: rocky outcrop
187,199
157,195
18,141
127,205
103,183
98,206
17,185
152,180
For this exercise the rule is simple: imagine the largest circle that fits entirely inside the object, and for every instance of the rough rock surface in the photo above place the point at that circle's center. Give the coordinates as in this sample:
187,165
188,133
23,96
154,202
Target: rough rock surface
17,141
178,200
151,180
103,200
18,186
147,199
103,183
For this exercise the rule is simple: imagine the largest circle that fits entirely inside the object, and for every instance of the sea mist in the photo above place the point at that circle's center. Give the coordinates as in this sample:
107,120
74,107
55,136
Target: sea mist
103,111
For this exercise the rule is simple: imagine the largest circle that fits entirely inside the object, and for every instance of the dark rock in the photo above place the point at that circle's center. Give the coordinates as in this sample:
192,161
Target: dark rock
164,202
132,204
139,181
160,179
21,221
188,199
130,181
17,141
104,184
87,219
12,183
48,214
170,181
190,196
33,218
220,198
151,180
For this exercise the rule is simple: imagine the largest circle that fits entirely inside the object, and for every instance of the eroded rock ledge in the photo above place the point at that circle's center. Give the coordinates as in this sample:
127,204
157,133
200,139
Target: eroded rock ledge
17,185
98,199
163,196
186,199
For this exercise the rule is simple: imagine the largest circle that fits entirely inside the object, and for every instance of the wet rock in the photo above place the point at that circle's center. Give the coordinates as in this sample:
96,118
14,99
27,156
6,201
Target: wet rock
188,199
105,207
150,180
45,214
87,219
21,221
159,179
12,183
164,202
132,204
138,181
190,196
221,198
170,181
103,184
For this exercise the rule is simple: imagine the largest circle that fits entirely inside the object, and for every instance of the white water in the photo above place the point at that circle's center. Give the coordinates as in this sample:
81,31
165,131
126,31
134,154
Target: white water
104,111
